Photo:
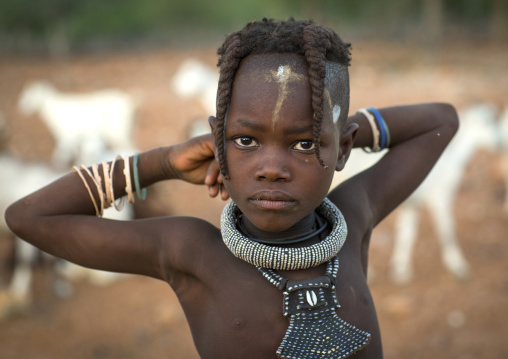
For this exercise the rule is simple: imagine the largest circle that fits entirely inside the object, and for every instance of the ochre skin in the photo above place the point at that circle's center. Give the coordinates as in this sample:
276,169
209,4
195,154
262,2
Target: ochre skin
233,312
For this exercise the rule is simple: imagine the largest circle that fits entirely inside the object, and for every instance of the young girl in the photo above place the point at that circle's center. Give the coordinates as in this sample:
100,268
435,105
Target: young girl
285,276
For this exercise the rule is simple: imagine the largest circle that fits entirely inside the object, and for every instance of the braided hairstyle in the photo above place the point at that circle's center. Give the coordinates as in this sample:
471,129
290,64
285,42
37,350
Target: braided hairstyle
320,45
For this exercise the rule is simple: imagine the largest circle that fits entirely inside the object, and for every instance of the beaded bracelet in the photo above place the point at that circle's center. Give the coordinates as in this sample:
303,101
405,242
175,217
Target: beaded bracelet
85,182
98,182
107,183
106,193
120,205
375,131
383,128
140,193
380,131
127,174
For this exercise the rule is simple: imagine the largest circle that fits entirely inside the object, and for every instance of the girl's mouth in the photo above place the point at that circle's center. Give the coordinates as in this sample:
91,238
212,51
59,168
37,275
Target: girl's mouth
273,200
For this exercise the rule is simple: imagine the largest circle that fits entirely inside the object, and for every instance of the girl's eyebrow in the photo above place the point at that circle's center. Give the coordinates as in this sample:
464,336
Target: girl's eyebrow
301,129
245,123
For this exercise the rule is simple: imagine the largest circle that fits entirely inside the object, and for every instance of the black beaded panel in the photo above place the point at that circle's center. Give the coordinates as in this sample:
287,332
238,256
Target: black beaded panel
315,330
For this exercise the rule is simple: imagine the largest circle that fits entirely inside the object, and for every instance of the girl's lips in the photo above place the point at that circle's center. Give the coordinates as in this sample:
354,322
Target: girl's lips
272,200
273,205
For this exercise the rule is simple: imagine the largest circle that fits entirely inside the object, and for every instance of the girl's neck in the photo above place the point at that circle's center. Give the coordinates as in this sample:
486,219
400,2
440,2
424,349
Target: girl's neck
312,226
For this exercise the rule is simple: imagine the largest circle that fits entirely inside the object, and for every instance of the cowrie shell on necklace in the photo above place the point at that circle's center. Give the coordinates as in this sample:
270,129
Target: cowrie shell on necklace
311,298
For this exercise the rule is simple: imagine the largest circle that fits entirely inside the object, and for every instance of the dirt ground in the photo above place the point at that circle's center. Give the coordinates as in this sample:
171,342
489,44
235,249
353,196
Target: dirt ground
434,316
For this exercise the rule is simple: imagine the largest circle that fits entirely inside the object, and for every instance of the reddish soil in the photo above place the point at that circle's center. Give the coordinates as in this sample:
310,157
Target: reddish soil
434,316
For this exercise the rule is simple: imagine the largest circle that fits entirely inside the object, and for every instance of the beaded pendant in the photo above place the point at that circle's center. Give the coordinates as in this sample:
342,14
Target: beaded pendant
315,330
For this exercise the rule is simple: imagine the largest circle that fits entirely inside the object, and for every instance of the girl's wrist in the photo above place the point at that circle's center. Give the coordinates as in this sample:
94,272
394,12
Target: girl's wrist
154,166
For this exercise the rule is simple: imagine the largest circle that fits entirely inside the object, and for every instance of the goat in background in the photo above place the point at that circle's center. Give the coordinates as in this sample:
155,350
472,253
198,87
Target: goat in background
503,124
72,117
19,178
194,79
478,130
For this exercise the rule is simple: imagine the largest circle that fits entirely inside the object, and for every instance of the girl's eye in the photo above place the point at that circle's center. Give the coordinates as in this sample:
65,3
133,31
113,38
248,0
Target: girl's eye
304,146
246,142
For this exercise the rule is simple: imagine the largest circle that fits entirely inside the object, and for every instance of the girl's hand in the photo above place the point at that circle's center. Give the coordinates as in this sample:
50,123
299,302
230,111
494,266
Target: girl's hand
214,181
194,161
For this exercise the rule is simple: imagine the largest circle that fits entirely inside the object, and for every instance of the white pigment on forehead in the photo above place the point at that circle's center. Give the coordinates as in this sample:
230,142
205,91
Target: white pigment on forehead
336,113
334,108
284,75
337,81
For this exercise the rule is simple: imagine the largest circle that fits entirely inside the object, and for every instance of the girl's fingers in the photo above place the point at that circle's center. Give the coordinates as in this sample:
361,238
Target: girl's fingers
213,191
213,180
223,193
213,174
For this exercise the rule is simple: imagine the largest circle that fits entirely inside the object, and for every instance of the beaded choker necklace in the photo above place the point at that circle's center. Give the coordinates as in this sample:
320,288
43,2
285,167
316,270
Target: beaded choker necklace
280,258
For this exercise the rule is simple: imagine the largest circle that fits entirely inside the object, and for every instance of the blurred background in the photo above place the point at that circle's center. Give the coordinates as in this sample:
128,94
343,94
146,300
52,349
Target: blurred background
151,65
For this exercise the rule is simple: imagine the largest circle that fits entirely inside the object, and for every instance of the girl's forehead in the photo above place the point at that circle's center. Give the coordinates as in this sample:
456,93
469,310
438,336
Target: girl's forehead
283,74
273,67
266,85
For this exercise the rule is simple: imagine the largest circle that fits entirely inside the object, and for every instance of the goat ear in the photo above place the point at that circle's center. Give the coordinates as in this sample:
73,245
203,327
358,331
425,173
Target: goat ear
346,142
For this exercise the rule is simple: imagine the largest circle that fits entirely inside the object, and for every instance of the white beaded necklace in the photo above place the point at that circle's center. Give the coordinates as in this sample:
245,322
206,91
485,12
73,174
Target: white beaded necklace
280,258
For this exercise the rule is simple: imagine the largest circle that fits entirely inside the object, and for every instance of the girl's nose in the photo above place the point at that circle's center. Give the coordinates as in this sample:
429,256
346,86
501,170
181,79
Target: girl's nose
273,167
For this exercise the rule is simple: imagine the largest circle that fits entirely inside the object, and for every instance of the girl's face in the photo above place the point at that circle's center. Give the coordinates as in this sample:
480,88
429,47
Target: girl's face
275,177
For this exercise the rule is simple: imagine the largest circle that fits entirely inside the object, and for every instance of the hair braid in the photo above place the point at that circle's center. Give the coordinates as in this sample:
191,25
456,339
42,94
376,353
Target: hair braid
315,46
317,43
233,56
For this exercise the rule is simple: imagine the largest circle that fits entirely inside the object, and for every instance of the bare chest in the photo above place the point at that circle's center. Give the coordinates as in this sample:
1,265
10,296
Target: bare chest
238,313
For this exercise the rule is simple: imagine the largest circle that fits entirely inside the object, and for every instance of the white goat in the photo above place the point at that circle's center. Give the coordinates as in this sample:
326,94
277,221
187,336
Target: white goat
437,193
72,117
194,79
503,125
17,179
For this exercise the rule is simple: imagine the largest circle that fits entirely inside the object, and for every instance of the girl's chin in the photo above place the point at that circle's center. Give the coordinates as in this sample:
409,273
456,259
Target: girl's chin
272,226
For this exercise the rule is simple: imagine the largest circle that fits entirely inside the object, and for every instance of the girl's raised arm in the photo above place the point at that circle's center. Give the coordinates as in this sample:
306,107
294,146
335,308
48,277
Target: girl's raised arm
62,220
415,135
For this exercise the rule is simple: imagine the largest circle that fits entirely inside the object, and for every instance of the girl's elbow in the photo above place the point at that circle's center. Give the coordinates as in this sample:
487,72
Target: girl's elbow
15,218
448,117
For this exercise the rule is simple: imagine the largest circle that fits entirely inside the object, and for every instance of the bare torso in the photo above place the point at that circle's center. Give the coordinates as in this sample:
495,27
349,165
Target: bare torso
234,312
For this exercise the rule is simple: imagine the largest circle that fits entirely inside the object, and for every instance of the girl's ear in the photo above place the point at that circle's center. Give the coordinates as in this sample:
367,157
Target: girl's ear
213,125
346,142
212,121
